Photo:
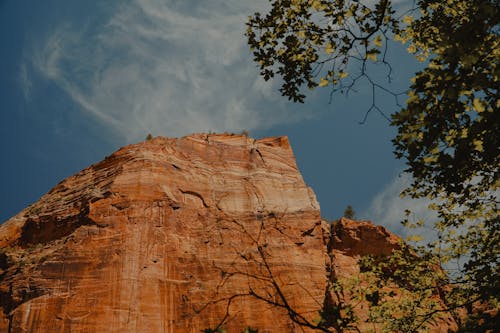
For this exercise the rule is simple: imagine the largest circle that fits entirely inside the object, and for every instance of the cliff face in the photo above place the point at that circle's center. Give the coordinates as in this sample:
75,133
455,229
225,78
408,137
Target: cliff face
178,235
168,235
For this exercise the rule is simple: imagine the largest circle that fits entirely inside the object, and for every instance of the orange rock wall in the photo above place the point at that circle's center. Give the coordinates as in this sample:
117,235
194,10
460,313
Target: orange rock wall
168,235
180,235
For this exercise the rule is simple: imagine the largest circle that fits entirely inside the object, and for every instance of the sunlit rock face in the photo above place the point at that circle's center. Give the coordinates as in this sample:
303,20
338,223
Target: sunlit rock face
168,235
181,235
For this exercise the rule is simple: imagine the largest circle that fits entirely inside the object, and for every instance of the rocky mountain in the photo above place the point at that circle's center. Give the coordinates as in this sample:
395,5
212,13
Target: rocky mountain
178,235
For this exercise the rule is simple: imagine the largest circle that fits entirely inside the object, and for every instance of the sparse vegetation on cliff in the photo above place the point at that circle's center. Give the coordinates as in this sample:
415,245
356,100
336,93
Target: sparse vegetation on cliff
349,212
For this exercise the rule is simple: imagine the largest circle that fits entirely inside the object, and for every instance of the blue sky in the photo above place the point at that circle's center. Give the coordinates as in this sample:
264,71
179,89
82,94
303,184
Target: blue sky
83,78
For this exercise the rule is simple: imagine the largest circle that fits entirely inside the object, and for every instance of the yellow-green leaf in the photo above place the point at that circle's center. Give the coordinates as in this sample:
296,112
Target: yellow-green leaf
316,4
412,48
329,48
478,105
378,41
372,56
343,75
414,238
408,19
430,159
323,82
435,65
478,145
412,98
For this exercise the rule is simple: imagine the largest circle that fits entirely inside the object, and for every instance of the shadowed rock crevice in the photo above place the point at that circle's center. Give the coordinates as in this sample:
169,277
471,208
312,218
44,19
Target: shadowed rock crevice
328,302
194,195
6,301
46,228
10,301
3,262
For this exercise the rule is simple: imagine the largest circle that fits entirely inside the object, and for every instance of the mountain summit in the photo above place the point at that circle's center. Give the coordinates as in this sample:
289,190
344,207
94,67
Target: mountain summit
178,235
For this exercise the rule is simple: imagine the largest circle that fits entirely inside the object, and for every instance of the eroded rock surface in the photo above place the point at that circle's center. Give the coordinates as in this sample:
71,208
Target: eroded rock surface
180,235
168,235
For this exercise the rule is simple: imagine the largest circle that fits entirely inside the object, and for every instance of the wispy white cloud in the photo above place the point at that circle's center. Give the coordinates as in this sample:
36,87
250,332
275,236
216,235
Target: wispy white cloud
25,81
168,68
388,208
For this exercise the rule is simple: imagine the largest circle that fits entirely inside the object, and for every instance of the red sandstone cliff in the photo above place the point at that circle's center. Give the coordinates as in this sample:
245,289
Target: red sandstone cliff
177,235
167,236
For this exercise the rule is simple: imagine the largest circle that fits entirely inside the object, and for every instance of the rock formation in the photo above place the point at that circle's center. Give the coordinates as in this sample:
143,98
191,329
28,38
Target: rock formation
166,236
177,235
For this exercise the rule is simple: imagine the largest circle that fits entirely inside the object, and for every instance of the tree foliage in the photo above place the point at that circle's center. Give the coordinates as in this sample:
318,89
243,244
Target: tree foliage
448,130
312,43
406,291
449,134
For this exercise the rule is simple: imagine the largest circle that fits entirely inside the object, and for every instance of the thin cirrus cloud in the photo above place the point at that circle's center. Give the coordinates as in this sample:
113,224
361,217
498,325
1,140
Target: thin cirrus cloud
167,68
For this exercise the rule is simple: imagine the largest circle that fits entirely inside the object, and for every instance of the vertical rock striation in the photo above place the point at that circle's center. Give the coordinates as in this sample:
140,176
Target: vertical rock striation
168,235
